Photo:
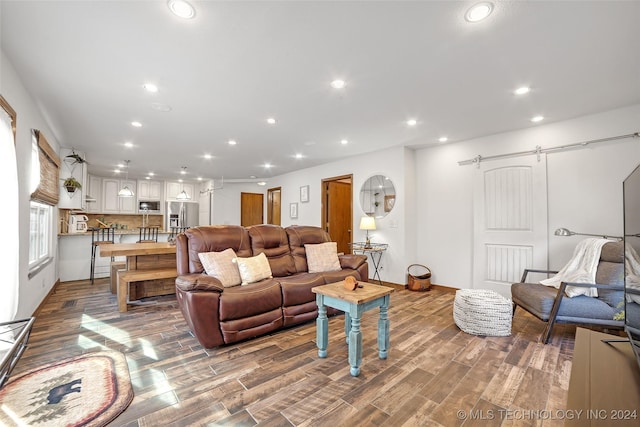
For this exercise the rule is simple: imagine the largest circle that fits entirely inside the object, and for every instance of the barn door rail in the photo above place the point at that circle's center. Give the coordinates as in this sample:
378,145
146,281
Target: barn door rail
539,150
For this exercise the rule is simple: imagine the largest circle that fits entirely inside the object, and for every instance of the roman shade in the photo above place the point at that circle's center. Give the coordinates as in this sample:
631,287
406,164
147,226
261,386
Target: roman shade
48,189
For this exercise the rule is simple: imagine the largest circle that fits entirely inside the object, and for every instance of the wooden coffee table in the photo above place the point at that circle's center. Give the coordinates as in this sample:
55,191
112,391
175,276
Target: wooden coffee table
353,303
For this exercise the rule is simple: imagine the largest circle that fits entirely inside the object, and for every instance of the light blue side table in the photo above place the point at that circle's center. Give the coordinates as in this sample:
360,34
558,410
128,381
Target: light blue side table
353,303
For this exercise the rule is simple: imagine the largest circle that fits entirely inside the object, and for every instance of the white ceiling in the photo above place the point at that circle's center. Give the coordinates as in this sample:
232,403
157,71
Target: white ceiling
237,63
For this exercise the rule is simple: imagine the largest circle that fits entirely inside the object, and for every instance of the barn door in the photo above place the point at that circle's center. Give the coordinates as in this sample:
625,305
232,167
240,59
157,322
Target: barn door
510,221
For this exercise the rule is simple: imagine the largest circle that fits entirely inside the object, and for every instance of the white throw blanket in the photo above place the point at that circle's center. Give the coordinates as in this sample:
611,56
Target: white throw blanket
581,268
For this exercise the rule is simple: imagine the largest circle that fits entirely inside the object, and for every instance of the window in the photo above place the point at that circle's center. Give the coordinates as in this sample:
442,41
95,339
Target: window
39,234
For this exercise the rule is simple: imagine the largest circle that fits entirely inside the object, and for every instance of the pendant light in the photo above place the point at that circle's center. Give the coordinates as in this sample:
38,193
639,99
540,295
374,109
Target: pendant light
183,195
126,191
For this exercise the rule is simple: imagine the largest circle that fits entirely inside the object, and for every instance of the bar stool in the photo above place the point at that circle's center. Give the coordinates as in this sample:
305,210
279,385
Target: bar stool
148,234
175,231
100,236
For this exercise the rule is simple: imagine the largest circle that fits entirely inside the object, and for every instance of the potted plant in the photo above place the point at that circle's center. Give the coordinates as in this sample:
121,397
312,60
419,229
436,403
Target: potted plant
71,184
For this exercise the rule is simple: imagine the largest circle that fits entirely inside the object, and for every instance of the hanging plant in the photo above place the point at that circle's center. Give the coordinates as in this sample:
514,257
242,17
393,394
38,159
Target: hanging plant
75,158
71,184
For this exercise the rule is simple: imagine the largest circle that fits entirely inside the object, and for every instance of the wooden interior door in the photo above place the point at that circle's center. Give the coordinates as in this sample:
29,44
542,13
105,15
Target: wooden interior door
251,209
337,215
274,206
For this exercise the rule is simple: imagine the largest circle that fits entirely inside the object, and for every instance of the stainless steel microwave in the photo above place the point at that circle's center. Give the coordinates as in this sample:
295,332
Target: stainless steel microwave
152,206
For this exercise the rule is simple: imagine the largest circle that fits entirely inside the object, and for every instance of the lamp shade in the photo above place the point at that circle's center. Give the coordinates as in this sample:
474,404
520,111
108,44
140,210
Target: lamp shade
367,223
125,192
183,195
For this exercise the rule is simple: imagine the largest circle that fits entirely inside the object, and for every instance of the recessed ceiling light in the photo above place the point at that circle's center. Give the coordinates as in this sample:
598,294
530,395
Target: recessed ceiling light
522,90
147,177
183,171
119,165
151,174
344,142
478,12
150,87
271,121
199,178
443,139
208,156
232,142
136,124
128,144
267,165
252,176
338,84
180,180
117,170
182,9
412,122
261,183
298,156
537,119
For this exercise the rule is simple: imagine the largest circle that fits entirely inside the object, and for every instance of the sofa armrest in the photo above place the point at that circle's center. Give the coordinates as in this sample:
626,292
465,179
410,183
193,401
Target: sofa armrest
352,261
198,282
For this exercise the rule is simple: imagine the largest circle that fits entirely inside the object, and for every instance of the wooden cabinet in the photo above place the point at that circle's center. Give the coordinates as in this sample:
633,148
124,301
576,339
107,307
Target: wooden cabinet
604,389
173,188
149,190
111,203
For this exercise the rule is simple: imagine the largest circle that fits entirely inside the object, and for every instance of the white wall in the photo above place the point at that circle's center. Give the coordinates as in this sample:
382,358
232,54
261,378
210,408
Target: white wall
584,188
392,229
32,291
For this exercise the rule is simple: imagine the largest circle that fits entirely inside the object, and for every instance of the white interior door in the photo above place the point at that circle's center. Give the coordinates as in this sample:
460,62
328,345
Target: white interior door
510,221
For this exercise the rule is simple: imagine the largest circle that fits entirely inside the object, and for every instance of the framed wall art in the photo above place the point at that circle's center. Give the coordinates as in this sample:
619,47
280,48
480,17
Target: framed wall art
304,193
293,210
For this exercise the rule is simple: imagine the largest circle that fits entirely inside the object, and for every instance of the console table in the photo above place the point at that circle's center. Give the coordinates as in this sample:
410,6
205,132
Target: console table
375,250
604,389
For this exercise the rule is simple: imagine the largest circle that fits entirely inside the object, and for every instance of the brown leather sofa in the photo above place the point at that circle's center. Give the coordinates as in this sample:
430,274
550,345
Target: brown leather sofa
219,315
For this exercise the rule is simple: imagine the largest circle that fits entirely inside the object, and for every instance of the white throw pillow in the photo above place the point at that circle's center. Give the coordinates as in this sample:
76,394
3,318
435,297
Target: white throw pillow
254,269
221,266
322,257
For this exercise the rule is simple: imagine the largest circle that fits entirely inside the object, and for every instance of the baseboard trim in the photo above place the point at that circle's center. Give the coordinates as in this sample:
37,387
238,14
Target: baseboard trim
39,307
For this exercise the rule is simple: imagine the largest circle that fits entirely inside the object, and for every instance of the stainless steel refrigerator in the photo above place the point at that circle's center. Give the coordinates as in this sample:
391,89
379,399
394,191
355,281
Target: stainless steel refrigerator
182,214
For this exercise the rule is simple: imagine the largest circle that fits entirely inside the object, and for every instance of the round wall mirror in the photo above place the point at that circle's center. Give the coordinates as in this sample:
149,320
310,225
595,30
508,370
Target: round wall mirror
377,196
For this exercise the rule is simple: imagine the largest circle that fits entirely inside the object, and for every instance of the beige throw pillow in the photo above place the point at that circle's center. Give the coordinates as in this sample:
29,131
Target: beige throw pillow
322,257
221,266
254,269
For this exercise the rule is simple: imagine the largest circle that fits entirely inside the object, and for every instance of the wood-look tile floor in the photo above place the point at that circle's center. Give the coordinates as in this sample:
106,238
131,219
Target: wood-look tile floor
435,375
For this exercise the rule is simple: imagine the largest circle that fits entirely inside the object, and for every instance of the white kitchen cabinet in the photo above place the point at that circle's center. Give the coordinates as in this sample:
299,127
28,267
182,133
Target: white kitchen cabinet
94,191
111,203
149,190
173,188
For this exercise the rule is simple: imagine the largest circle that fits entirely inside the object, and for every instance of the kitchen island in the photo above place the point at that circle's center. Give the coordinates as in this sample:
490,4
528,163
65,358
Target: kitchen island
74,254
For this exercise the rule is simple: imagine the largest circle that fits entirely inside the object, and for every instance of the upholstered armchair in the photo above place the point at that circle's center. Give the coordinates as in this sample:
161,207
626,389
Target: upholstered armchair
553,306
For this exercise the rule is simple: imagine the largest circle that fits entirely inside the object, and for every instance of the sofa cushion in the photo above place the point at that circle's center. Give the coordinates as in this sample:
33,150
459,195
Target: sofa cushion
211,238
253,269
336,276
296,289
250,300
300,235
222,266
538,299
322,257
272,241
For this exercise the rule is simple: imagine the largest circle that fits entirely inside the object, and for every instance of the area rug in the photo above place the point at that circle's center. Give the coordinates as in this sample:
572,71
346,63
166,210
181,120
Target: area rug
89,390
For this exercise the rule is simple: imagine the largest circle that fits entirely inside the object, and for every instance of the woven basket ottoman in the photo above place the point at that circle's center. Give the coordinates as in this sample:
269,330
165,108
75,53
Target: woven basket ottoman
482,312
